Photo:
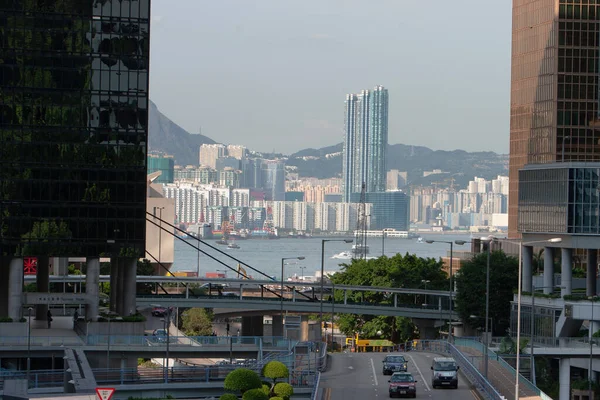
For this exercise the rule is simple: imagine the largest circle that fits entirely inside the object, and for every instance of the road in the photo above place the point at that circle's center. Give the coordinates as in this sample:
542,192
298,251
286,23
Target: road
358,376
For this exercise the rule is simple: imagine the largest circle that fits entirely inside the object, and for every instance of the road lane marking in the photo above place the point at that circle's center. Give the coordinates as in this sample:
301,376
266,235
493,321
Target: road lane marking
475,394
327,394
419,371
374,373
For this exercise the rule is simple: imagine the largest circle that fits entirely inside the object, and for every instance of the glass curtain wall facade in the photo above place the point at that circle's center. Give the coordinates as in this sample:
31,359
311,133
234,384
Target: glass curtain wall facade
562,200
554,89
365,142
73,127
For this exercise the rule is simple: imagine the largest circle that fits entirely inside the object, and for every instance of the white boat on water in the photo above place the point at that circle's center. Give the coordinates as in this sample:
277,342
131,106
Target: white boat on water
420,240
349,255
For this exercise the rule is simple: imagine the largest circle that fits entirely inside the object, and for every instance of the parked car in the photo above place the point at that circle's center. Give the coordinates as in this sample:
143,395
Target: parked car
402,384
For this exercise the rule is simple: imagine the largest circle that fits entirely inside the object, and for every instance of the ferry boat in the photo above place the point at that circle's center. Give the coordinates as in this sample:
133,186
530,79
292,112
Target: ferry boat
233,245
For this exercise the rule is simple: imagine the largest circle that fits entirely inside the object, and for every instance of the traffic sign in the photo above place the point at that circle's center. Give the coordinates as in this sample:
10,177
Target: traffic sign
105,393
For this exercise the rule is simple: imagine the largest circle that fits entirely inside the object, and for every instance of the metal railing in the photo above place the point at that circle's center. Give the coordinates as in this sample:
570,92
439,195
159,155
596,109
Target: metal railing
315,391
483,385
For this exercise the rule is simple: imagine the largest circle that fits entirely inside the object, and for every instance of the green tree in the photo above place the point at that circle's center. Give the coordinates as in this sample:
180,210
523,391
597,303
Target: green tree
228,396
471,290
197,322
284,390
398,271
242,380
275,370
255,394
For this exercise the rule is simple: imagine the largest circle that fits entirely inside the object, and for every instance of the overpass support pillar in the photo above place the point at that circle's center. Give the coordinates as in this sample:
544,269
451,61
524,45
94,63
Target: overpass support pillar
92,283
252,326
566,278
527,258
277,327
304,336
548,270
43,285
114,285
564,379
129,269
592,266
427,328
15,288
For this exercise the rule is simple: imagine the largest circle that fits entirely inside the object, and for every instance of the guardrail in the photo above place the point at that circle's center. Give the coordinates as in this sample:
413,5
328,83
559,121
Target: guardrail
478,346
315,395
483,385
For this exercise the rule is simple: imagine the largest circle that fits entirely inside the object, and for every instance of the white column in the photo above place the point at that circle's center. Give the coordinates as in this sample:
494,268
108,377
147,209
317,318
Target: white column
15,288
548,269
92,282
567,271
564,379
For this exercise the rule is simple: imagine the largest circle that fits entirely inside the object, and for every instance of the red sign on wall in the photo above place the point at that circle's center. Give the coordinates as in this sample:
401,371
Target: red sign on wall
30,265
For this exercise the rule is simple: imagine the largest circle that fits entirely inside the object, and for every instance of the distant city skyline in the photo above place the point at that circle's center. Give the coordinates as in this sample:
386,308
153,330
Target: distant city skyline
269,75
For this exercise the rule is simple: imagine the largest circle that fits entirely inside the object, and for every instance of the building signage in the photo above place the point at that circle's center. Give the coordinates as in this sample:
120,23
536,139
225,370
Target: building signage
56,298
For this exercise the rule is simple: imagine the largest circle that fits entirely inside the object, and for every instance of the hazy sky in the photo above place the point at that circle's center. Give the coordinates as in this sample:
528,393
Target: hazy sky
273,74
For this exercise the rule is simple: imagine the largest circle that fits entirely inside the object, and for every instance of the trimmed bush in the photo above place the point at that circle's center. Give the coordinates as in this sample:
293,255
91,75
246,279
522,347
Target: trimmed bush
266,388
284,390
228,396
276,398
255,394
242,379
275,370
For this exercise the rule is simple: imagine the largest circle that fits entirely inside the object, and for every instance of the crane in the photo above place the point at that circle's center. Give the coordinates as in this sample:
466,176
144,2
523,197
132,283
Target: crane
360,247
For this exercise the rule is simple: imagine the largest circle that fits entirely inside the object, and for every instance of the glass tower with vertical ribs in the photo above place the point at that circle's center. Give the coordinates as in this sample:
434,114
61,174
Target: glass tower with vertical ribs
554,102
365,141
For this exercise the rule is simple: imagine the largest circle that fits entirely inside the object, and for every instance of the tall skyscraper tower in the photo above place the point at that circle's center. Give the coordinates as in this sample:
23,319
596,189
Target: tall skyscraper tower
554,92
365,141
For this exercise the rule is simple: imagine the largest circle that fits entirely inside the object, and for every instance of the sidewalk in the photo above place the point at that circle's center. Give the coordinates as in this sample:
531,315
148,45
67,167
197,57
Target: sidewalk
500,378
61,332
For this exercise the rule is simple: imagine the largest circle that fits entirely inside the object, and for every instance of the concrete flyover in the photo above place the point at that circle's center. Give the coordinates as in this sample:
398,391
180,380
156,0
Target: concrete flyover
269,305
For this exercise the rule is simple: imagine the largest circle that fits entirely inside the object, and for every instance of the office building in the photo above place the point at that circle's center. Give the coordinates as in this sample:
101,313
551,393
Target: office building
389,209
164,164
73,143
365,142
554,88
396,179
273,179
554,167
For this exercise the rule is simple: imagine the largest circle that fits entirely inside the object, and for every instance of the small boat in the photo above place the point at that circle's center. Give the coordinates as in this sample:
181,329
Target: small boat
233,245
222,242
420,240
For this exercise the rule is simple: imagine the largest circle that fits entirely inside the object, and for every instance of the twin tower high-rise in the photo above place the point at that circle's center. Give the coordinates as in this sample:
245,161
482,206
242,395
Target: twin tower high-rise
365,141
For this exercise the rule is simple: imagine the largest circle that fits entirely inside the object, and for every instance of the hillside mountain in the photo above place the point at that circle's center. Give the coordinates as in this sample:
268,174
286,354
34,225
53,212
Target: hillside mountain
166,136
457,165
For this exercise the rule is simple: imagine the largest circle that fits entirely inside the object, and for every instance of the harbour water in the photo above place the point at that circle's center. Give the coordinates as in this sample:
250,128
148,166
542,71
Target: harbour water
265,255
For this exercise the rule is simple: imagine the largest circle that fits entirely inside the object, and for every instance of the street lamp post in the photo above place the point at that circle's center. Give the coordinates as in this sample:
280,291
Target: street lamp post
591,372
281,294
425,282
198,263
487,307
322,277
451,290
29,345
108,345
382,242
167,323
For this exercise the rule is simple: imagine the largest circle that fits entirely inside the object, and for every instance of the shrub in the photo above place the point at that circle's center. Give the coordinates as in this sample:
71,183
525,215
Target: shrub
6,319
284,390
242,379
266,388
228,396
255,394
275,370
276,398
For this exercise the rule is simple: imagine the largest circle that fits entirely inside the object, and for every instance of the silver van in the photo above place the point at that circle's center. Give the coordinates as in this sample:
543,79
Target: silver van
444,372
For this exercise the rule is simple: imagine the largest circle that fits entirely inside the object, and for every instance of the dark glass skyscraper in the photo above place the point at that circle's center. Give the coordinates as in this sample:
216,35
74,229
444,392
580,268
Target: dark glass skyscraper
365,142
554,93
73,126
